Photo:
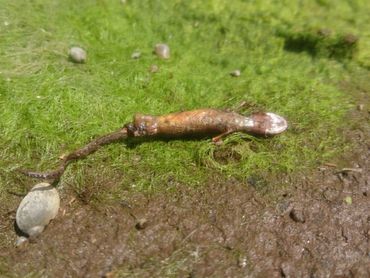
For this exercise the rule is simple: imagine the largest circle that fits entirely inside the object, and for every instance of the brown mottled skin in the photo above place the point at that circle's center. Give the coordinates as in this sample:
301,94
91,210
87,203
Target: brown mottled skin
201,122
195,122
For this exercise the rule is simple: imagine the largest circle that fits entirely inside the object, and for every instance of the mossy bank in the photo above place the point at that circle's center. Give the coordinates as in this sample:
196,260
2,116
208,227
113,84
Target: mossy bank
290,64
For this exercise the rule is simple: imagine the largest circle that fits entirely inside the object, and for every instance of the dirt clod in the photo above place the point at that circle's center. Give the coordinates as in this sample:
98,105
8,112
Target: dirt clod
141,224
297,215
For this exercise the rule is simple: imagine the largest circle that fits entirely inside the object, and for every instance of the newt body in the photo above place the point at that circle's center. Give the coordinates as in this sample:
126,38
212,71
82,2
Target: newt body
205,122
201,122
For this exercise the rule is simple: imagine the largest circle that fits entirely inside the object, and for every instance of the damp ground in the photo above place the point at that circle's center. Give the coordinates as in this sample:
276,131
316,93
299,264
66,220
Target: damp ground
296,205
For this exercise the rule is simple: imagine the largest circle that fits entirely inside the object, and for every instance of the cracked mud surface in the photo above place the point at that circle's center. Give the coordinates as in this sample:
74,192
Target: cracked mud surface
318,227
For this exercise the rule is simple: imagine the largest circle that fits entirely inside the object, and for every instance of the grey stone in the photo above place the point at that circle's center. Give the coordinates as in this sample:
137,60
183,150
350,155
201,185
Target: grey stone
77,55
162,50
37,208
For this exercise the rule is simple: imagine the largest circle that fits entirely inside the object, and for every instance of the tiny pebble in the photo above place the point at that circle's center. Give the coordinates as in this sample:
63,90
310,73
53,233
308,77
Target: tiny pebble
297,215
360,107
77,55
141,224
136,55
136,158
348,200
162,50
242,262
37,208
235,73
153,68
20,241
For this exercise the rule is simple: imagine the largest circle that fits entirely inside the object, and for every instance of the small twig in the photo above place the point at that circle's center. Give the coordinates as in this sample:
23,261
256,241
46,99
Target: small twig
347,170
90,148
328,164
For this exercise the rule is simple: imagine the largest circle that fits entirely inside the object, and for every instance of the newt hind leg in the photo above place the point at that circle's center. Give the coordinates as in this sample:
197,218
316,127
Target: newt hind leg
218,139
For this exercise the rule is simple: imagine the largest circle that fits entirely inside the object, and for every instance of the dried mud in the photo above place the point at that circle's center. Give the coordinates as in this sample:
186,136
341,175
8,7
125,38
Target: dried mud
317,227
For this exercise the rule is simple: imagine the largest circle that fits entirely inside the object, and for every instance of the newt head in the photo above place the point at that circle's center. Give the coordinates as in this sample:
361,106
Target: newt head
267,124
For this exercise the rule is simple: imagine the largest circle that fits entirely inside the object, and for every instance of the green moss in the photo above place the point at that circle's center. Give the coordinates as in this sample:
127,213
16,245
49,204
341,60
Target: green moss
50,106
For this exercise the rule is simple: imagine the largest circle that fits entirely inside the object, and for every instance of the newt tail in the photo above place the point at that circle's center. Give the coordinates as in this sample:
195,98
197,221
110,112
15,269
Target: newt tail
90,148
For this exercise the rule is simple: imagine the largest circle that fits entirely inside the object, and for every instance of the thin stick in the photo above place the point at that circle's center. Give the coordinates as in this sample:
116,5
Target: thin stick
90,148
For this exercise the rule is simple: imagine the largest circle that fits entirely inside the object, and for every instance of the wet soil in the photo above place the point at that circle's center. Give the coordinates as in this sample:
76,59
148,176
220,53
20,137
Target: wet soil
318,226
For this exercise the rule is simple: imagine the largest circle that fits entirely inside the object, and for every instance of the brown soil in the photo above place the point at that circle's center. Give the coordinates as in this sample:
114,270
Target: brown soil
319,227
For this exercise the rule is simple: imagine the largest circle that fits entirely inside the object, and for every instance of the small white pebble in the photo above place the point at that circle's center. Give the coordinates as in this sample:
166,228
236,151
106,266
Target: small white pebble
136,55
162,50
235,73
243,262
6,23
20,241
77,55
38,97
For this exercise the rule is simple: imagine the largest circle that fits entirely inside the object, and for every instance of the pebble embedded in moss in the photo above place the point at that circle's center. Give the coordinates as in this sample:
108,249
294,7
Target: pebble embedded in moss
235,73
136,55
162,50
77,55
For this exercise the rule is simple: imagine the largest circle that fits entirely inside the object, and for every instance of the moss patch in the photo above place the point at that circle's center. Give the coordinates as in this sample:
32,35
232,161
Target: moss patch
50,106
